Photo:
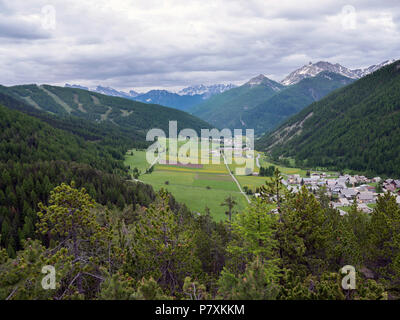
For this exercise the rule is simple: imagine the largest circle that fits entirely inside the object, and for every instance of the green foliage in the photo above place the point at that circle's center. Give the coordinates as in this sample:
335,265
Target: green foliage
267,172
353,128
162,247
327,287
20,278
32,183
27,140
257,283
273,189
385,240
194,291
253,236
264,106
150,290
117,287
71,221
132,116
303,234
230,203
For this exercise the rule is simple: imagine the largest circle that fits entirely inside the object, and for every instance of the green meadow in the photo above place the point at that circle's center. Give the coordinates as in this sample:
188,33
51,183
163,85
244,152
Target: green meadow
264,162
201,186
198,188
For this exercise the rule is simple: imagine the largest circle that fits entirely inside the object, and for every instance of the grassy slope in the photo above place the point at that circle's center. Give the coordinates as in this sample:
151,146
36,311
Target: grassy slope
189,185
224,110
268,114
261,108
97,107
356,127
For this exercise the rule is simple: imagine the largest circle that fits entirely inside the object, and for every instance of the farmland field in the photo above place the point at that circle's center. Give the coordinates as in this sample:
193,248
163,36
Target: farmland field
198,188
200,185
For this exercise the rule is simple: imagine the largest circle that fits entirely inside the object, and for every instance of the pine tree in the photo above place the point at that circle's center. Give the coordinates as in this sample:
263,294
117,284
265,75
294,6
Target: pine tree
257,283
71,220
303,234
194,291
273,189
385,240
253,234
163,248
230,203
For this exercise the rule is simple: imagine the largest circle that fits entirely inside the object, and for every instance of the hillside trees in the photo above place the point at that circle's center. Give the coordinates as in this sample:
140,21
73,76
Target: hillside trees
251,270
384,238
33,183
354,128
70,221
303,234
163,248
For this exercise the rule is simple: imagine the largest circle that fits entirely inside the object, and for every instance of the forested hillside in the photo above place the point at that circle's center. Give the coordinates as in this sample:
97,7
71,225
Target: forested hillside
170,99
35,156
270,113
26,140
162,251
265,105
124,113
224,110
356,128
110,238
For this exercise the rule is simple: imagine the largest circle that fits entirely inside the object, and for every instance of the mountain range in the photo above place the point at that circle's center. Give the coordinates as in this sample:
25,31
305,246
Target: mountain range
106,90
194,98
262,104
126,114
313,69
356,127
182,100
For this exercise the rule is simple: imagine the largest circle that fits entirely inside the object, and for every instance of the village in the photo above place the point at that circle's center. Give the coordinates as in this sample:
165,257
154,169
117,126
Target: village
344,190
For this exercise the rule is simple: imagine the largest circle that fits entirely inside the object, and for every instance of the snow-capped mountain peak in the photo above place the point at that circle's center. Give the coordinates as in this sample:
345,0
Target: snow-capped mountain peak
261,79
257,80
313,69
364,72
106,90
76,86
206,91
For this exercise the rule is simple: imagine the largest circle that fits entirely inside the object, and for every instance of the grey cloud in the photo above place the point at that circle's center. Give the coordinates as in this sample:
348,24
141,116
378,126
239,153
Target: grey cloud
158,44
15,28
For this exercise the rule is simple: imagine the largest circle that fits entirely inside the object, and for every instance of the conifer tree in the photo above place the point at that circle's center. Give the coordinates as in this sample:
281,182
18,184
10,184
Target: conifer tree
163,248
384,234
71,221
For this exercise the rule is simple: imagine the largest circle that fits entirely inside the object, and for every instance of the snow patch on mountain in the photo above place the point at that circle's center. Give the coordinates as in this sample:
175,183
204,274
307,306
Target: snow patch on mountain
263,80
76,86
313,69
206,91
106,90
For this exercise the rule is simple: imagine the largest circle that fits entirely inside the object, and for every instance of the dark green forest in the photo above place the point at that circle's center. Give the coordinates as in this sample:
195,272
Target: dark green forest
267,115
263,107
126,114
357,128
66,200
224,110
162,251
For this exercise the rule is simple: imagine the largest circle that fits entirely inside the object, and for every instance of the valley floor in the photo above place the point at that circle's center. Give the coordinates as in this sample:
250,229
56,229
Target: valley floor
201,186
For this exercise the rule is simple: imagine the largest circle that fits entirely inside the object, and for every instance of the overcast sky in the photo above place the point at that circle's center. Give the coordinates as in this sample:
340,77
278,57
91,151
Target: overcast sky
142,44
